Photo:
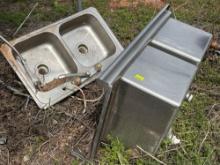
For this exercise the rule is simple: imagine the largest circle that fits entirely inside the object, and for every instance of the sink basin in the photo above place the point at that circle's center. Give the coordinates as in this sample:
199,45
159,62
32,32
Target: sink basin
46,57
87,40
57,55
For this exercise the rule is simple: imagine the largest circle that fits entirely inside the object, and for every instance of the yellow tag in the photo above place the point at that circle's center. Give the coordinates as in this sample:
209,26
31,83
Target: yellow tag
139,77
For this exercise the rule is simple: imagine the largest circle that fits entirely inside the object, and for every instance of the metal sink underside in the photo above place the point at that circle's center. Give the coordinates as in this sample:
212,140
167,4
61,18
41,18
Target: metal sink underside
72,46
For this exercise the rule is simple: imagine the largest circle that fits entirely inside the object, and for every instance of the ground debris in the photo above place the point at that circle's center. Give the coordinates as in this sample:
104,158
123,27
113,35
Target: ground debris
215,44
114,4
47,136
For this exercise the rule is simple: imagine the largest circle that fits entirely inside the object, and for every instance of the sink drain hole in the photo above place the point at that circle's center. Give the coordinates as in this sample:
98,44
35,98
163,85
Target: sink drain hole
83,49
42,69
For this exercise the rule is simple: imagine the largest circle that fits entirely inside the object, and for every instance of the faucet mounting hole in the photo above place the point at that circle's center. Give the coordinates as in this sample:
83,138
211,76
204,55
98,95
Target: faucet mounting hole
42,69
83,49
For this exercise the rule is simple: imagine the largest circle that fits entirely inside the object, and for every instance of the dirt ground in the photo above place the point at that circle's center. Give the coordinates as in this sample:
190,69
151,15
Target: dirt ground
37,136
44,136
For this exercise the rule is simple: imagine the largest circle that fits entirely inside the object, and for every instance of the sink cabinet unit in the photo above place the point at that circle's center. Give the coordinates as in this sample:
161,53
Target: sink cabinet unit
149,81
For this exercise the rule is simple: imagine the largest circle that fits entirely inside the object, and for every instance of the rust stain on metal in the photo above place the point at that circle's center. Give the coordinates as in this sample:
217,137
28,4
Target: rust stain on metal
52,84
9,56
7,53
56,82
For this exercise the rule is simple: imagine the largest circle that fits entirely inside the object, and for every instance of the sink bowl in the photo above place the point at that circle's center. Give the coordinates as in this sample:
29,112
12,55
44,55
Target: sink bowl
46,57
57,55
87,40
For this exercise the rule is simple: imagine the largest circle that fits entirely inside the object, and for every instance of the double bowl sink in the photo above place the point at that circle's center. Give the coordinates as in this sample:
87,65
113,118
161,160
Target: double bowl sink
58,59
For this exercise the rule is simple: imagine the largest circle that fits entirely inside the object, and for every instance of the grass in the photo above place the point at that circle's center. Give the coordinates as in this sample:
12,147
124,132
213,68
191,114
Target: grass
14,18
195,125
198,133
50,10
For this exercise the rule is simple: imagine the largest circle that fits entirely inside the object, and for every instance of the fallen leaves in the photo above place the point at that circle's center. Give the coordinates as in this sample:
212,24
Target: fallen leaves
115,4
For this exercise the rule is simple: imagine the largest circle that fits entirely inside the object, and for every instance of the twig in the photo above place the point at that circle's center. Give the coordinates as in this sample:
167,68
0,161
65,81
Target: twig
53,156
38,150
209,92
183,149
153,157
18,82
174,149
172,9
213,106
181,5
26,103
200,146
72,116
208,157
80,156
91,100
39,111
26,18
83,99
15,91
44,116
80,139
8,156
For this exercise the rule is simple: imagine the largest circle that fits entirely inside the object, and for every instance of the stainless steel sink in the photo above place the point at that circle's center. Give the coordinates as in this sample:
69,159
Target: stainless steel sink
87,40
52,58
46,57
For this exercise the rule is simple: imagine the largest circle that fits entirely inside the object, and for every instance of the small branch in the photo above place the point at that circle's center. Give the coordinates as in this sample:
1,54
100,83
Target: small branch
80,156
83,99
208,157
8,156
181,5
26,103
38,150
200,146
91,100
80,139
26,18
150,155
209,92
212,108
76,118
14,90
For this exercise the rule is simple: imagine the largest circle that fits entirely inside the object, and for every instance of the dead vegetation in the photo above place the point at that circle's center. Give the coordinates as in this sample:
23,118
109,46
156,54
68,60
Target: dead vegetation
45,136
115,4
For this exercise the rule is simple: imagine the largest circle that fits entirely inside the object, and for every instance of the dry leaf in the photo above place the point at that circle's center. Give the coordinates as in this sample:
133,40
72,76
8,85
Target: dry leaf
114,4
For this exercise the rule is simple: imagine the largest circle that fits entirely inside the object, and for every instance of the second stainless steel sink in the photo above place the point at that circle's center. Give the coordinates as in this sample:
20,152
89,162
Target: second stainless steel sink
50,59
